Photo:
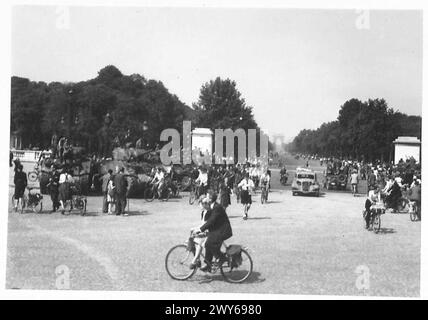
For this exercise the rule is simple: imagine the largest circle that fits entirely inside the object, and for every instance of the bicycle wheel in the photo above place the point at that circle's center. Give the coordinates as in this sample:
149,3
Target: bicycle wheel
33,176
149,195
37,207
177,262
81,206
376,223
167,194
238,274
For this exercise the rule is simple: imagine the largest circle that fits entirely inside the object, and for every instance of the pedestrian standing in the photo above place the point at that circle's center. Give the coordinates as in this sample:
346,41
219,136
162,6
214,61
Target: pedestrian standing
20,181
53,186
111,194
225,195
104,188
121,185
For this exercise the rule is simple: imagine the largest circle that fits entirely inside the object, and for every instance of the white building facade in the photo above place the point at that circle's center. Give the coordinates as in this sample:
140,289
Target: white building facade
407,147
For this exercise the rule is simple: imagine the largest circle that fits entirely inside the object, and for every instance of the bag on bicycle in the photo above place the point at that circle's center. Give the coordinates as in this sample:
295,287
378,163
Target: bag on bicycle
234,253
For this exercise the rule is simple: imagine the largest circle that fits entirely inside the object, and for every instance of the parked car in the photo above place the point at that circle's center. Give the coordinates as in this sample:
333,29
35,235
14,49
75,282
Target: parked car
305,183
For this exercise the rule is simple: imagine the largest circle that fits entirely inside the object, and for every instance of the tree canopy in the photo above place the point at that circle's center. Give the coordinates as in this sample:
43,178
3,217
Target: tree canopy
363,130
77,110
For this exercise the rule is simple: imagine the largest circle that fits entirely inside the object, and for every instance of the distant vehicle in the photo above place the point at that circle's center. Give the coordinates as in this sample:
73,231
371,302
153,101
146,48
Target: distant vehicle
305,183
338,182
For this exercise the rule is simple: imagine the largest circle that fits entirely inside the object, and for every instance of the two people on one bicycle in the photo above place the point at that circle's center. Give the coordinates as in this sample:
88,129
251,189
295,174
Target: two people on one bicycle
219,229
246,186
372,199
20,182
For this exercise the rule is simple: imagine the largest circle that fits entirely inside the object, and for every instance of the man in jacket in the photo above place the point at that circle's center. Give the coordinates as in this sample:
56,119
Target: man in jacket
121,185
219,229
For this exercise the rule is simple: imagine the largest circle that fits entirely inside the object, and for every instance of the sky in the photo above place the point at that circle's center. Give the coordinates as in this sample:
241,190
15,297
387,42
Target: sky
294,67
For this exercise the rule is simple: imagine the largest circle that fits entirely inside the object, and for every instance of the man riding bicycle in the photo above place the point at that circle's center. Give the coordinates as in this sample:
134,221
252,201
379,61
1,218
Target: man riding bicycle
219,229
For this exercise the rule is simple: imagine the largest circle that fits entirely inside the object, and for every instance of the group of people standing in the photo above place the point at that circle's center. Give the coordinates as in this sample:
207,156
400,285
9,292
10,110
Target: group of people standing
114,188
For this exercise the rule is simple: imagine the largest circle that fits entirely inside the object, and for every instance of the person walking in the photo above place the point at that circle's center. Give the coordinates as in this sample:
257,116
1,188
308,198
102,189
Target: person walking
104,188
246,186
121,185
20,182
65,180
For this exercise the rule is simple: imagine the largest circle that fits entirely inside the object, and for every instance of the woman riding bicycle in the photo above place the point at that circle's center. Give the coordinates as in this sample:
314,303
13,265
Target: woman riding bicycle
200,238
202,181
158,181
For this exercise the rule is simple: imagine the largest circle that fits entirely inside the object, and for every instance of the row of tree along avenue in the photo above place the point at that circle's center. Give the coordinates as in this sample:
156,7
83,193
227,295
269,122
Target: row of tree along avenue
118,110
363,131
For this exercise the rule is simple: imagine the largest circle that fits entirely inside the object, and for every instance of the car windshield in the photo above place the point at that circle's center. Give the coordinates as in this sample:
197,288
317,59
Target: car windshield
305,176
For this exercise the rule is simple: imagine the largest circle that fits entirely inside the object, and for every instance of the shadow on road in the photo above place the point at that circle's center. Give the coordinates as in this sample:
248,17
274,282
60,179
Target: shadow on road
386,231
253,278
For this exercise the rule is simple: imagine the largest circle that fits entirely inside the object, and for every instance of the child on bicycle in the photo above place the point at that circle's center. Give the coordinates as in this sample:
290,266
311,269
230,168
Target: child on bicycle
372,199
200,238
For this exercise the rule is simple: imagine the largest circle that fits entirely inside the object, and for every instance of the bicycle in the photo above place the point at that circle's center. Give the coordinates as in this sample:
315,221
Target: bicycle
151,192
31,201
78,202
237,267
375,217
195,193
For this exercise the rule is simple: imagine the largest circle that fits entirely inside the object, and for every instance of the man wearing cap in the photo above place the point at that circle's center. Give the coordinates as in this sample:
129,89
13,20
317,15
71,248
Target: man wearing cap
219,229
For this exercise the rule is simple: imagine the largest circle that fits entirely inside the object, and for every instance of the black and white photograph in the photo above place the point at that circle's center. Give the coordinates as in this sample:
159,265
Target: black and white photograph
214,150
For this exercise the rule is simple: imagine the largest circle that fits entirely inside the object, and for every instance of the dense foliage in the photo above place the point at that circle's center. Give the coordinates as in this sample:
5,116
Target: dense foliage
78,110
363,130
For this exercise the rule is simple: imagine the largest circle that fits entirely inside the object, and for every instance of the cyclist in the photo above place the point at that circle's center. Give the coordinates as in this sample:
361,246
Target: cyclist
219,229
202,182
20,181
246,186
201,238
372,198
158,181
